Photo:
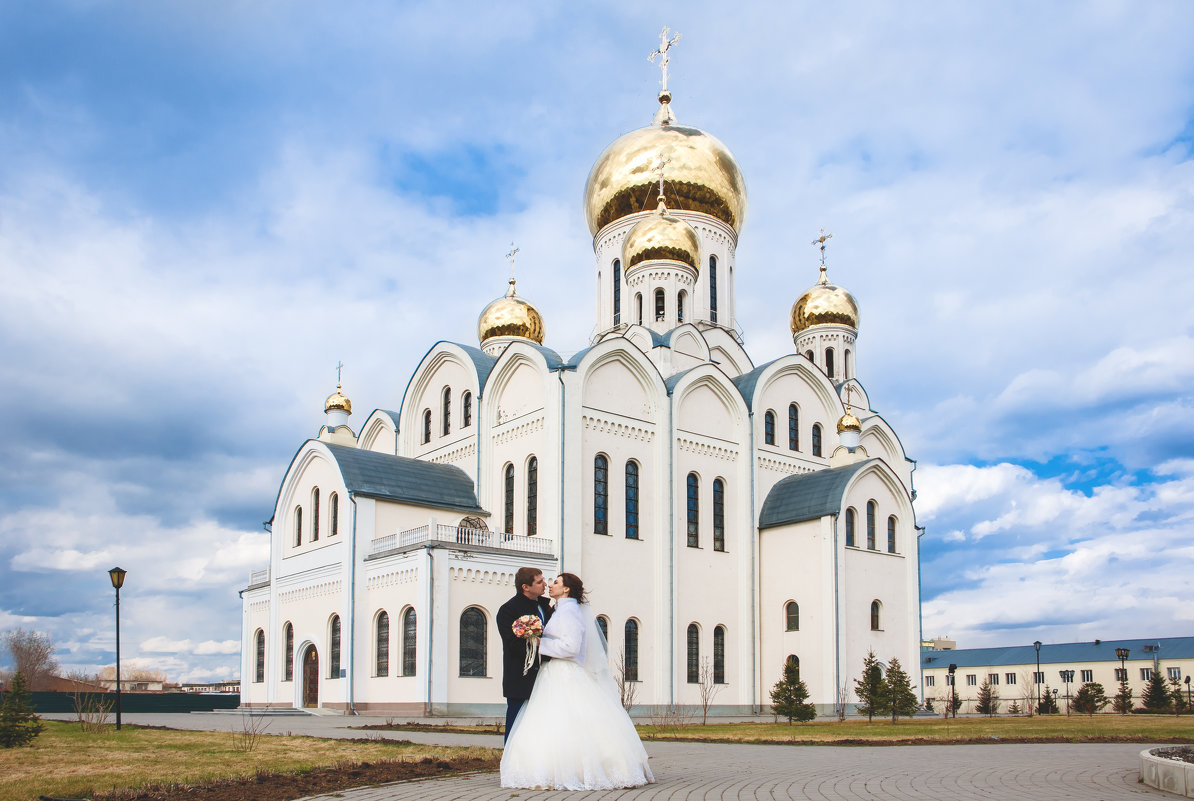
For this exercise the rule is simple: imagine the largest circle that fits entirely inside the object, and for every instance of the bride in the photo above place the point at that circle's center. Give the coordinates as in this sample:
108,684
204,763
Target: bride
573,734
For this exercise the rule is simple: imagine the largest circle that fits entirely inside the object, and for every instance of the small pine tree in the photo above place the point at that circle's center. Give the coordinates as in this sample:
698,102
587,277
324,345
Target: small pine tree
1091,698
929,704
18,724
1156,694
1122,703
898,698
1048,703
789,696
988,700
1013,709
1179,698
871,688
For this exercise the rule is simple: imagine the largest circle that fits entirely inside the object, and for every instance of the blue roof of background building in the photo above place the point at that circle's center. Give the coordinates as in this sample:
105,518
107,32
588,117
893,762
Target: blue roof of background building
807,496
397,478
1061,653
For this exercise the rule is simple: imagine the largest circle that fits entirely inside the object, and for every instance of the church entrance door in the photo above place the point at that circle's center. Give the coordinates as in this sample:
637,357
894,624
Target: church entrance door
310,677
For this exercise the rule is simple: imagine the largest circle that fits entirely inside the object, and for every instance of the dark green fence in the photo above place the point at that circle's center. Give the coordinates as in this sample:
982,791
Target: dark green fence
141,702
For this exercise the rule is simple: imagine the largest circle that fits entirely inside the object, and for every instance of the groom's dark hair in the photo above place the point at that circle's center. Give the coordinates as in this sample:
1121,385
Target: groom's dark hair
525,577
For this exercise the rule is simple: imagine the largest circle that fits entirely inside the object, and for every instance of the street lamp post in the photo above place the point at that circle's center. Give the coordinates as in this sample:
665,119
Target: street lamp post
1122,655
953,691
1067,676
1036,677
1188,704
117,575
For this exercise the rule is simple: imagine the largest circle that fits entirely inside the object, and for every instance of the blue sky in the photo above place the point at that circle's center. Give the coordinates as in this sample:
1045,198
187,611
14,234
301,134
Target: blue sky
205,206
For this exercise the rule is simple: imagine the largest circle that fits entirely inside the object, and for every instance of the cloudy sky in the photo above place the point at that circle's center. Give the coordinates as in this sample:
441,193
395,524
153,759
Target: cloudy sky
205,206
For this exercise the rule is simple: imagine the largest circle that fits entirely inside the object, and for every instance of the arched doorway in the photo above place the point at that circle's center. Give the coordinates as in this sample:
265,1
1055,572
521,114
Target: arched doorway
310,677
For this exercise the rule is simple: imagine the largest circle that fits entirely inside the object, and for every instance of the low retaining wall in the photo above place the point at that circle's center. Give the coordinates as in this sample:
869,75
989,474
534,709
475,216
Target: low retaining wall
1170,775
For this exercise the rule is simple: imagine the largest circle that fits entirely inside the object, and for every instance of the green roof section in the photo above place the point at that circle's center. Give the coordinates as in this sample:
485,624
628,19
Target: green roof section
397,478
808,496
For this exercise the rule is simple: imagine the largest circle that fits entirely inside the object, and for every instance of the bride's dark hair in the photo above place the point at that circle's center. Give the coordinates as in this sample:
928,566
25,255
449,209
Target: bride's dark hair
576,587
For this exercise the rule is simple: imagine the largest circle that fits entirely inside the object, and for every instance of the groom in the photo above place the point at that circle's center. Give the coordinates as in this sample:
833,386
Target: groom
529,600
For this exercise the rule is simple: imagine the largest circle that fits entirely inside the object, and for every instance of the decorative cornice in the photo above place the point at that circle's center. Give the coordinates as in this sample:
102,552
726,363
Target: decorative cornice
321,590
518,431
716,450
607,425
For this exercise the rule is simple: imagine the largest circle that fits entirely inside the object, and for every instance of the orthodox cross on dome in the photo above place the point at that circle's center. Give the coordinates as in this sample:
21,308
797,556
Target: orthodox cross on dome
510,254
820,242
661,163
665,45
339,368
849,393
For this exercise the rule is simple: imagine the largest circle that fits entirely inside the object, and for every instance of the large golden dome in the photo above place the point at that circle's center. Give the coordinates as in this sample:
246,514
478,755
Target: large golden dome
702,174
510,316
662,237
825,304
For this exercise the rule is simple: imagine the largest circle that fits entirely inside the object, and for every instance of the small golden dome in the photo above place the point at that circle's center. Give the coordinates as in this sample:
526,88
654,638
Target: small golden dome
825,304
702,174
510,316
662,237
849,422
338,401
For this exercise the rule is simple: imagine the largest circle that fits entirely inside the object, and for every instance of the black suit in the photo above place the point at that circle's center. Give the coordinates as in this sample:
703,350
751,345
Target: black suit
515,686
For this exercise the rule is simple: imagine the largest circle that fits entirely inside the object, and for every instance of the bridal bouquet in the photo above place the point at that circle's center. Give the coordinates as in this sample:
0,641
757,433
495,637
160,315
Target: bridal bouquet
529,628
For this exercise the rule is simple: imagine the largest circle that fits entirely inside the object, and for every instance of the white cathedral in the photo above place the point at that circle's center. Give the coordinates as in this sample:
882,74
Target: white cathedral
727,517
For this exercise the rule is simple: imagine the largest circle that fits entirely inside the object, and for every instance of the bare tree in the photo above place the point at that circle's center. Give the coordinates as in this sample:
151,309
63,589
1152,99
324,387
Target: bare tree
627,687
708,687
843,698
32,654
1028,691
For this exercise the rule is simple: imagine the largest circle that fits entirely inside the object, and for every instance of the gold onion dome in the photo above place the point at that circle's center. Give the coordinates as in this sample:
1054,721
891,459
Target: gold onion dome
825,304
849,422
662,237
338,401
702,174
510,316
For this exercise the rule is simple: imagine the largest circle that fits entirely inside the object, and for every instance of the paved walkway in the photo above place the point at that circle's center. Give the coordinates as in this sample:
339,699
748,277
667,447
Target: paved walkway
713,772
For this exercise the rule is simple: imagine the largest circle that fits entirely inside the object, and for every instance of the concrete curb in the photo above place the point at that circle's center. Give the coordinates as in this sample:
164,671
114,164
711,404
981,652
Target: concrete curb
1167,775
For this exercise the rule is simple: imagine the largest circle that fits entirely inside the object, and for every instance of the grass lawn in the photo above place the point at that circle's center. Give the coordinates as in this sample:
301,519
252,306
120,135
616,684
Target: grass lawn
65,762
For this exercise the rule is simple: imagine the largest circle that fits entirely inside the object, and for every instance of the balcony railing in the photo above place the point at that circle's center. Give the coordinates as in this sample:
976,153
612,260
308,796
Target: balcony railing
461,536
258,577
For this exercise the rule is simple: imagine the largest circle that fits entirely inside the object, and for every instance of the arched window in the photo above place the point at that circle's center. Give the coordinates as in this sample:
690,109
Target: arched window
314,514
259,656
381,628
769,428
288,639
466,410
816,439
793,427
829,362
792,616
871,508
603,624
694,654
334,648
334,514
532,497
617,292
680,298
298,526
660,306
851,517
719,515
694,511
875,607
891,534
712,289
508,515
638,308
446,406
600,495
632,500
794,662
472,643
630,650
719,655
808,354
426,426
847,366
409,632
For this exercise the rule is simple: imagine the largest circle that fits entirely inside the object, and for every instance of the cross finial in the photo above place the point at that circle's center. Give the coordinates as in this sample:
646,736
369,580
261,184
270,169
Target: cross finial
820,242
339,367
661,163
510,254
849,393
665,45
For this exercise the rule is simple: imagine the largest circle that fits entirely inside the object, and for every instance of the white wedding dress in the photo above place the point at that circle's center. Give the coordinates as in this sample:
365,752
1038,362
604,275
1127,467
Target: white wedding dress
572,733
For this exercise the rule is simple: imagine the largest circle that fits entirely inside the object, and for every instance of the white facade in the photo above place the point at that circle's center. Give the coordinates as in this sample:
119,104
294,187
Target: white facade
529,447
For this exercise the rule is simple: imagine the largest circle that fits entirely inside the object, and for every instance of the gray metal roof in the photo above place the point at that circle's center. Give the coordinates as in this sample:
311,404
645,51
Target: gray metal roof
1061,653
673,380
747,382
481,361
807,496
397,478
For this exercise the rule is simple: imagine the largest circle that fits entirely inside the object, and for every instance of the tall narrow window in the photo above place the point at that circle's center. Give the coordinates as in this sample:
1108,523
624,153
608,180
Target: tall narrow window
891,534
466,410
694,511
871,508
426,426
847,365
532,497
694,654
829,362
816,439
875,615
298,526
381,665
792,616
508,516
617,292
409,632
603,624
794,662
334,648
472,643
719,515
793,427
719,655
638,308
632,500
851,517
660,307
680,298
630,649
769,428
600,495
288,640
334,514
314,514
712,289
446,407
259,656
